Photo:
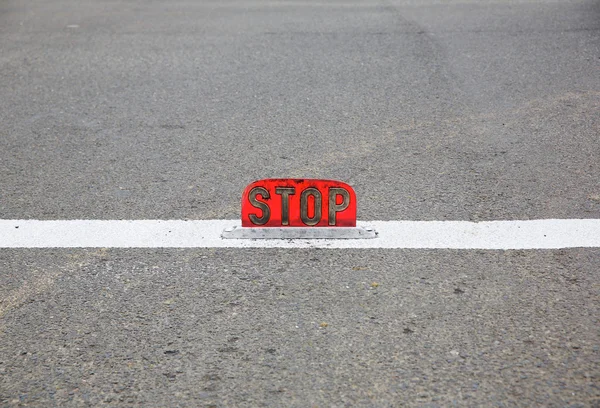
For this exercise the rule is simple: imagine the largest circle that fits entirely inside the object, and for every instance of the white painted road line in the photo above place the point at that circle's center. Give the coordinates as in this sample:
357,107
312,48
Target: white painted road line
534,234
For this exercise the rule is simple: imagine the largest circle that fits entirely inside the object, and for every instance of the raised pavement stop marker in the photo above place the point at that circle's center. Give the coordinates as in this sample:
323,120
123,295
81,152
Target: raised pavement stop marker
298,209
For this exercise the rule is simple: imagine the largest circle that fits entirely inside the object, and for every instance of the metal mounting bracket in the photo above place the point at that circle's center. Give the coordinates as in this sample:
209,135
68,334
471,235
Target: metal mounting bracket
237,232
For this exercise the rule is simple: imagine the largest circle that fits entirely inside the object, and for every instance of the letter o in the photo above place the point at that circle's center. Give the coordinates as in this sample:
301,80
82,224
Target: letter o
314,220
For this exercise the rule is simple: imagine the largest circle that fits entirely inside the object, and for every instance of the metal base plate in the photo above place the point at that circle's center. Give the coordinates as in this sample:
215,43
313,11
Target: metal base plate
299,233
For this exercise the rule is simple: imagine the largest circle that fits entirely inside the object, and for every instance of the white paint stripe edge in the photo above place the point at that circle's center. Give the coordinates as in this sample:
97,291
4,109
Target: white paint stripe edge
533,234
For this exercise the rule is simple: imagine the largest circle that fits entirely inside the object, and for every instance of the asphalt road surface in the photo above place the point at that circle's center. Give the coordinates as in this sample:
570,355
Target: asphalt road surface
431,110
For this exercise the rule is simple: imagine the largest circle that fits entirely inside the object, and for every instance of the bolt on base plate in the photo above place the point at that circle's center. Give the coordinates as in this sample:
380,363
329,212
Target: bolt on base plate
299,233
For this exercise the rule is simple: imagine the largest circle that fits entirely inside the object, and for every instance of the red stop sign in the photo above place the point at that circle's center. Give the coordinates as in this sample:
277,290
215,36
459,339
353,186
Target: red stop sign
298,203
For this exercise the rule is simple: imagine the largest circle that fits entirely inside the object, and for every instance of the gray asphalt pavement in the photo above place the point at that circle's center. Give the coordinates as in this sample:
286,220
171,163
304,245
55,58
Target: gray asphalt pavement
431,110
